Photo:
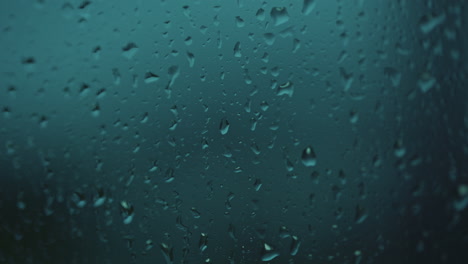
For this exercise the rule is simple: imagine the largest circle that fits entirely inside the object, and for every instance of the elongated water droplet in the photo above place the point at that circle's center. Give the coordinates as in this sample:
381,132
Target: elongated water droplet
237,50
295,244
308,6
151,77
232,232
224,126
203,242
168,253
127,212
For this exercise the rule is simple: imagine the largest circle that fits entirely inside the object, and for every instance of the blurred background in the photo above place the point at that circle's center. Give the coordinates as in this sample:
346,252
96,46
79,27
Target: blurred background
239,131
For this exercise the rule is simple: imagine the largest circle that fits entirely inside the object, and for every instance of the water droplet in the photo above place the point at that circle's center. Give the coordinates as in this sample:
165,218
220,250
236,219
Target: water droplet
129,50
99,198
426,82
237,50
360,215
295,244
232,232
203,242
296,45
191,59
257,185
398,149
260,15
96,110
169,176
253,123
240,22
79,199
151,77
285,89
255,149
168,253
353,117
279,15
347,79
269,38
127,212
224,126
195,213
427,23
308,6
394,75
269,253
264,105
309,159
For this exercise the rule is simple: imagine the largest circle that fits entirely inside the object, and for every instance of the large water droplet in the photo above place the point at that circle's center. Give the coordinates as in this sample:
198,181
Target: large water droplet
279,15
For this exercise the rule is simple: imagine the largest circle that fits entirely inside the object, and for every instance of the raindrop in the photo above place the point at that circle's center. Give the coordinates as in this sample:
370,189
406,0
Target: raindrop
257,185
203,242
232,232
398,149
260,15
255,149
99,198
429,22
253,123
264,105
347,79
426,82
295,244
169,176
240,22
79,199
279,15
191,59
353,117
129,50
168,253
96,110
195,213
308,6
269,253
237,50
309,159
394,75
224,126
151,77
127,212
285,89
360,215
117,76
269,38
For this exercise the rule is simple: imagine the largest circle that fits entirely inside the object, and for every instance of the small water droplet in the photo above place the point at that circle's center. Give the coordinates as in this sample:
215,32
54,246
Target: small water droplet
285,89
151,77
309,159
129,50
